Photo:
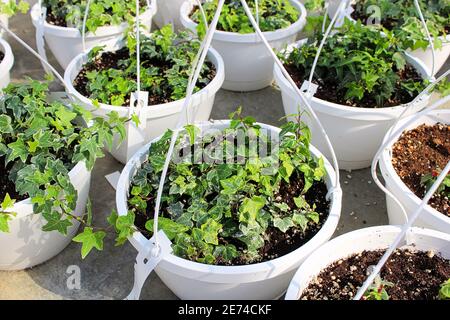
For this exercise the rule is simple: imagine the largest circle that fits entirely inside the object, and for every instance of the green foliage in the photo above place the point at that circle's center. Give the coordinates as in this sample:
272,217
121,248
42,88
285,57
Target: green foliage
11,7
314,5
166,60
40,143
363,63
101,12
218,211
377,291
429,179
444,291
401,17
274,15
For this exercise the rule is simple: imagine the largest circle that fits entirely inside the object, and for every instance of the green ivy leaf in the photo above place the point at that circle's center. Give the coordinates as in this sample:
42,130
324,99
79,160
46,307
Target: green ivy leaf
170,228
90,240
7,202
283,224
250,208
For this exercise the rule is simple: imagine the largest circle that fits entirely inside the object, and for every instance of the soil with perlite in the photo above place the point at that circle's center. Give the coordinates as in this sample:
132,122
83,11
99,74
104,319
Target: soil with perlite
414,275
278,243
419,152
111,59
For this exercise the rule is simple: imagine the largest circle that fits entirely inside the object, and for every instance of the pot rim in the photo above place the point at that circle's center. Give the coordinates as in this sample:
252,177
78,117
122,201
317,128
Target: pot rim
303,272
348,111
70,32
235,37
230,274
151,110
8,59
388,171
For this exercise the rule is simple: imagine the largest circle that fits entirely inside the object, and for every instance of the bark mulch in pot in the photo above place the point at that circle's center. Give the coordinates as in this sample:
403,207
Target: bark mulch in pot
415,275
419,152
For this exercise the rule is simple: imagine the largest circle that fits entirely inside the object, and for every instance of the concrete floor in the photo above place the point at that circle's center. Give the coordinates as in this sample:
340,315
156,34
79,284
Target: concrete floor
109,274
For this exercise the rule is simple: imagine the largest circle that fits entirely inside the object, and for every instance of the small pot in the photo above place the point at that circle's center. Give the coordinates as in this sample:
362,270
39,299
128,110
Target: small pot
193,280
66,43
355,133
6,64
429,217
248,64
159,117
26,245
374,238
168,12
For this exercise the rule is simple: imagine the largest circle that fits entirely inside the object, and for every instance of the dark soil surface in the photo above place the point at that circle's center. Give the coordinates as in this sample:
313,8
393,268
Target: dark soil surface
6,186
419,152
110,60
328,91
278,243
2,55
415,275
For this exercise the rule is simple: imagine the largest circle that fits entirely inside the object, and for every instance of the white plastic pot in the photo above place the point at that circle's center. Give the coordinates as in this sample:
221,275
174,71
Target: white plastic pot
66,43
355,133
429,218
159,117
26,245
355,242
6,64
192,280
441,56
248,65
168,12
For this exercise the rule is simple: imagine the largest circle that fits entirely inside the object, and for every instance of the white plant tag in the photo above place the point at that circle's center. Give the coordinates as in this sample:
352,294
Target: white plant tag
147,260
113,179
309,89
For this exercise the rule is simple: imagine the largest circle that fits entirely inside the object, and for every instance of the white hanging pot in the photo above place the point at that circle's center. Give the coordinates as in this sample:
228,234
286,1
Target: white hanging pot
429,217
355,133
248,64
66,43
374,238
159,117
26,245
426,55
6,64
168,12
193,280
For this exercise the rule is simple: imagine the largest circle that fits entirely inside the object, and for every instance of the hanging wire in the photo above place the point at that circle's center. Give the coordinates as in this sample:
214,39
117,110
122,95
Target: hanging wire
430,39
298,92
207,40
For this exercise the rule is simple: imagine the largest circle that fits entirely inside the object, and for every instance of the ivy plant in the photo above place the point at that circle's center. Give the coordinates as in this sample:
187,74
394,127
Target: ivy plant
444,291
377,291
166,59
274,15
11,7
429,179
401,17
70,13
358,64
40,143
224,211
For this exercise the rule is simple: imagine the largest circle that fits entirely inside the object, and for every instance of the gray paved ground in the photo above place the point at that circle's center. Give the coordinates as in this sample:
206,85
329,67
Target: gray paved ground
109,275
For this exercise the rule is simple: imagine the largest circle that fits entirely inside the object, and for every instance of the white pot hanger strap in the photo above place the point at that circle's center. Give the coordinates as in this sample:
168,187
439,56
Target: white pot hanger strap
159,246
40,41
